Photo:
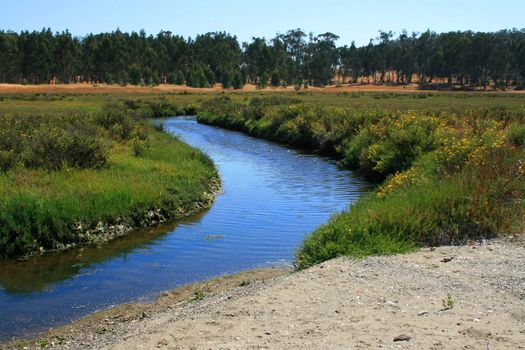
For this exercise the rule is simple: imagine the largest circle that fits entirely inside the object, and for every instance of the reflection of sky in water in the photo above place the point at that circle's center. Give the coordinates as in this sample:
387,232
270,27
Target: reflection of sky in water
272,196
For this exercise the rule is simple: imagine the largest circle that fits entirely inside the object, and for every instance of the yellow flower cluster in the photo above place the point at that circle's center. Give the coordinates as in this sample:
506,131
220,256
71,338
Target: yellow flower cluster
399,180
520,168
454,149
405,121
465,145
491,139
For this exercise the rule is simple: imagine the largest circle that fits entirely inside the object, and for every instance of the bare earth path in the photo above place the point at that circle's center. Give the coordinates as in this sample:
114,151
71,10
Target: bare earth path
348,304
85,88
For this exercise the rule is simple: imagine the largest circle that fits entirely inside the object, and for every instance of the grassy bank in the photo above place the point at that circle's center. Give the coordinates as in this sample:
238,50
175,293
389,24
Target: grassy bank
69,178
455,102
442,177
426,150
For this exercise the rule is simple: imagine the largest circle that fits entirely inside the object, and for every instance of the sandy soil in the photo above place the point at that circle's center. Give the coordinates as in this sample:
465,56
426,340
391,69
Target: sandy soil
469,297
105,88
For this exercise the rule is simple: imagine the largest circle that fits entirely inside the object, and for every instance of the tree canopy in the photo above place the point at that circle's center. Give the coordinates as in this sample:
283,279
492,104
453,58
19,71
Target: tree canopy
468,59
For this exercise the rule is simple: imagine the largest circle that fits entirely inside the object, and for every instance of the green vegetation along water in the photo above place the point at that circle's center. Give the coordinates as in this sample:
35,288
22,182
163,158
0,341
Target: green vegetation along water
444,177
272,197
445,174
83,178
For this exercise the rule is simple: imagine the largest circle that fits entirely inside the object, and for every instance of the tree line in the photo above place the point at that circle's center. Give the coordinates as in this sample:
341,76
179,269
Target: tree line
462,58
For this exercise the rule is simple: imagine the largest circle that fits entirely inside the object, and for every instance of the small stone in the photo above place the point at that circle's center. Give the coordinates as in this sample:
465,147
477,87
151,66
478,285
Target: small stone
402,337
162,343
422,313
446,260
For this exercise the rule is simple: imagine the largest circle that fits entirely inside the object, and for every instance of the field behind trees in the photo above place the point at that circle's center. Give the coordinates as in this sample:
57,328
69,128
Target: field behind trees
462,60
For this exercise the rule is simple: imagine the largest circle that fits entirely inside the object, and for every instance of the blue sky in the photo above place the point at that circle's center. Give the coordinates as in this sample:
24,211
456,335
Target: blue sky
351,20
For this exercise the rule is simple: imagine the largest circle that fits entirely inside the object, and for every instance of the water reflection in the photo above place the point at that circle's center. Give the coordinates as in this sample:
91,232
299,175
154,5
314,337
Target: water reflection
41,273
272,197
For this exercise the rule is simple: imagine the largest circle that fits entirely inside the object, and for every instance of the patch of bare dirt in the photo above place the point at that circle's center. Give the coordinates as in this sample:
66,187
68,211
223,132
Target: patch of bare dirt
83,88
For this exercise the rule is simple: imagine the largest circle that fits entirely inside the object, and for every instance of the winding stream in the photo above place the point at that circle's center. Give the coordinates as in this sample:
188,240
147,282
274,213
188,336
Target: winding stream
272,197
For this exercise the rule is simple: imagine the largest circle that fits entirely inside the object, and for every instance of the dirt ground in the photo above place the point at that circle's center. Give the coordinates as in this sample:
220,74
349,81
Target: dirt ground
461,297
105,88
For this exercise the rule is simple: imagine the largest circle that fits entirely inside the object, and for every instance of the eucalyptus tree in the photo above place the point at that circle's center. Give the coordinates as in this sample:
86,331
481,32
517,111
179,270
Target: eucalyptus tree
322,59
67,57
257,57
10,57
464,58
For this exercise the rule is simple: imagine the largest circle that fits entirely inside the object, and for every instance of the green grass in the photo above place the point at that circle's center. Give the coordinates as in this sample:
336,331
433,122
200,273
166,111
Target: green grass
40,208
443,178
441,211
444,101
397,139
50,208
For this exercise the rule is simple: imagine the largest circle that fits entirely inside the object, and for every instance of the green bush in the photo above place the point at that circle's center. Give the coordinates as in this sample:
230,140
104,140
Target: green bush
52,148
139,147
392,144
8,159
477,202
116,119
516,134
51,142
71,174
160,109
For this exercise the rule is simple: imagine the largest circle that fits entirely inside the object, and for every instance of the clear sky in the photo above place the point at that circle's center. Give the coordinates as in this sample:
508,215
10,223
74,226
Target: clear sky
351,20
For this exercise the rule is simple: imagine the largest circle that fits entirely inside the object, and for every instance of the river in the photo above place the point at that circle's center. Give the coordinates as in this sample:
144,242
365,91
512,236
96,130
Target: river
272,197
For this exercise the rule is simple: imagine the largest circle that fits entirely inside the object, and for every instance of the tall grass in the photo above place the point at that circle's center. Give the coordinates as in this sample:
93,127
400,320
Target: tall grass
443,178
50,207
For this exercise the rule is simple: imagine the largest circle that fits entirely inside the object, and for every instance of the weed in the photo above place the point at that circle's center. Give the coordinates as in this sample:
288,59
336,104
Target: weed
43,343
104,330
448,302
198,296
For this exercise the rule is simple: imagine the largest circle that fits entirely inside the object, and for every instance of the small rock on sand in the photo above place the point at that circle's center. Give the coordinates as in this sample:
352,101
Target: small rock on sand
402,337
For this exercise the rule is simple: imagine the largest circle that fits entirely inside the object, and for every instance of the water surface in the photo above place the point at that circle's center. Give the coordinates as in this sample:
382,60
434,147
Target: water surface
272,197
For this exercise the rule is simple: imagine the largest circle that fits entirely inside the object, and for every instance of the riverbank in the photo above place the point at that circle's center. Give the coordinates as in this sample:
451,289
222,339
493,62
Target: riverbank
443,178
237,233
77,179
450,297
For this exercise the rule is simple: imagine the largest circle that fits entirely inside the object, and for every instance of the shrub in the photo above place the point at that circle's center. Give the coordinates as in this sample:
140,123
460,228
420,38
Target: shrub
392,144
477,202
115,118
8,159
139,147
160,109
52,147
50,143
516,134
